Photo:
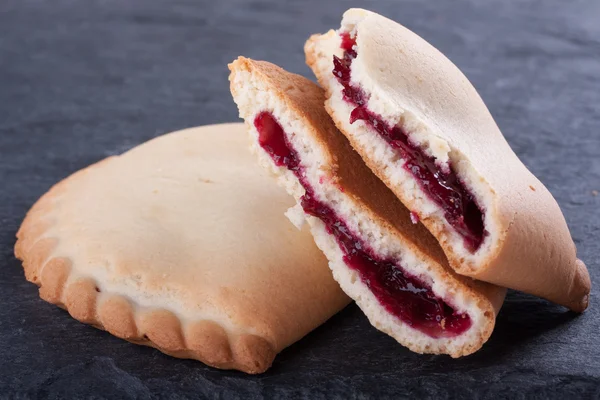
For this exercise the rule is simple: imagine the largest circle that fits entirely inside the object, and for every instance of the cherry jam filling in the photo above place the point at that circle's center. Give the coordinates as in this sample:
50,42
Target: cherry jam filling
402,295
444,188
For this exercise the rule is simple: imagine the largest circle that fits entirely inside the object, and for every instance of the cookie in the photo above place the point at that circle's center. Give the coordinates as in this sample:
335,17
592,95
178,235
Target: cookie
181,244
392,267
422,128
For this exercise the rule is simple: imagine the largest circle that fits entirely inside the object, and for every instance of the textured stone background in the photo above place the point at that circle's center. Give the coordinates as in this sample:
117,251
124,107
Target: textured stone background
80,80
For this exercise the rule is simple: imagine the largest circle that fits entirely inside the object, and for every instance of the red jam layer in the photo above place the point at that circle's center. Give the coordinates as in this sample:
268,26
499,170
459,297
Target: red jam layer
445,189
401,294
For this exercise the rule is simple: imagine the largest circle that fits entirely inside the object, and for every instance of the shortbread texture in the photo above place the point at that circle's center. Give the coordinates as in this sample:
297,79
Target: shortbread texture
181,244
341,180
412,85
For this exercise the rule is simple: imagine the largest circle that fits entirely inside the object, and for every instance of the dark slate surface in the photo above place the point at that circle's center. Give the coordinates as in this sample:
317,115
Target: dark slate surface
80,80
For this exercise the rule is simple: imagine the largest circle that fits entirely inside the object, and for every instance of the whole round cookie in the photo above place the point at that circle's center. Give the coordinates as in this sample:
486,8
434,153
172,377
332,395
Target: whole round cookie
181,244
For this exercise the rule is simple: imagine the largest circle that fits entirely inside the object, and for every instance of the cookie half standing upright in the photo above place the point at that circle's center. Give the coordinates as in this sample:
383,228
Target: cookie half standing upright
181,244
422,128
394,269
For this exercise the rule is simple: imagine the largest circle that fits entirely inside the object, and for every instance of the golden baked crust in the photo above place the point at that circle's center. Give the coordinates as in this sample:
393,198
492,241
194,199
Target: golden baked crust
532,249
344,167
181,244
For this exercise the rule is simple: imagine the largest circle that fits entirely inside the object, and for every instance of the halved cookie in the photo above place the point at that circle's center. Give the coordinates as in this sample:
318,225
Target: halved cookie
393,268
181,244
423,130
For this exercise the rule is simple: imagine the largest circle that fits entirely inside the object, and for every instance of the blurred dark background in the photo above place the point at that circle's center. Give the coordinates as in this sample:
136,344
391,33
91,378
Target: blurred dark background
81,80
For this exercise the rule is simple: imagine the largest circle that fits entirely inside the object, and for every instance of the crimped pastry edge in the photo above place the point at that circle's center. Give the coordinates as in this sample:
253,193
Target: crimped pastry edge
62,284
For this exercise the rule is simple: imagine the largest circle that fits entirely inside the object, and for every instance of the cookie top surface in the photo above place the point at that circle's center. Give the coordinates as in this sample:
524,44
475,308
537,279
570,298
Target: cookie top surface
529,246
189,223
